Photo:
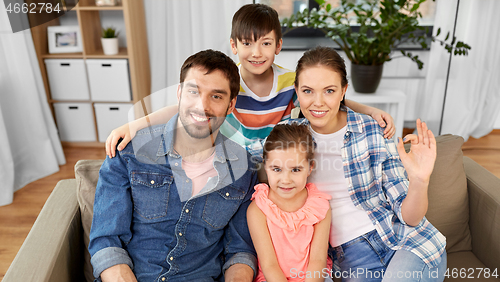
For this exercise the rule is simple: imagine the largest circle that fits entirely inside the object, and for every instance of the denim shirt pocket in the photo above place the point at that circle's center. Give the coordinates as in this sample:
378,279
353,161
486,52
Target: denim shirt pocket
150,194
221,205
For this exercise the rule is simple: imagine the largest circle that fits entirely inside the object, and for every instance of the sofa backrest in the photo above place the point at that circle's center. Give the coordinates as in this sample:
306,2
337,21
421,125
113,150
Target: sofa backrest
448,200
87,174
448,207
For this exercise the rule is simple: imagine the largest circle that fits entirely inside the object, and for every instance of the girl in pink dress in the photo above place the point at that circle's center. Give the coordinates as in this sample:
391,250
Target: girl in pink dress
289,219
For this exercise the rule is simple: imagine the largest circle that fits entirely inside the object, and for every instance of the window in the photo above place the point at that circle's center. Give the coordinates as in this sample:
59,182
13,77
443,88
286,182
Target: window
285,8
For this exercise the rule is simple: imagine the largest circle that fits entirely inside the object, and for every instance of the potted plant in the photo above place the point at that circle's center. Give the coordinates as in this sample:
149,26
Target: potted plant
109,41
370,32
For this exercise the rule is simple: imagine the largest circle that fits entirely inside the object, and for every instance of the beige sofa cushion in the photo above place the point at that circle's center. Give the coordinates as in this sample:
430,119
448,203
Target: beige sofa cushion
465,266
448,199
87,174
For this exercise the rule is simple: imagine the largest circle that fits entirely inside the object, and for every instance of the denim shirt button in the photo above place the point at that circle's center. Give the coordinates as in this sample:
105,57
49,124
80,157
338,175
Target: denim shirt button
171,258
180,234
187,210
152,182
227,194
176,164
187,180
163,279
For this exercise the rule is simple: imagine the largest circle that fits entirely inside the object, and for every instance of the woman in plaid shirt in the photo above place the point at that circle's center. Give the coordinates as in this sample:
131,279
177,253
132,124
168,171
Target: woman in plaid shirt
378,230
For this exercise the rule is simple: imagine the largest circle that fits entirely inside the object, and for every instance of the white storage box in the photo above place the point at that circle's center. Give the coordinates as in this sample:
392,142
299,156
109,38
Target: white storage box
109,117
109,80
75,122
67,79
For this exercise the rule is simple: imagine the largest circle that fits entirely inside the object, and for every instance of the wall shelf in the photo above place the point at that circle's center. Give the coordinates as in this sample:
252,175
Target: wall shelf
99,8
63,56
99,54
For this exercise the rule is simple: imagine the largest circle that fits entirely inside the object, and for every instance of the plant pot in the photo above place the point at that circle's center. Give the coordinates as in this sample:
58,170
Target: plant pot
366,78
110,46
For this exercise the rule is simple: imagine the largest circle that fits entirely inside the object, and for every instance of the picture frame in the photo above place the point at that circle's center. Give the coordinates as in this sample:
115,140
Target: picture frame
64,39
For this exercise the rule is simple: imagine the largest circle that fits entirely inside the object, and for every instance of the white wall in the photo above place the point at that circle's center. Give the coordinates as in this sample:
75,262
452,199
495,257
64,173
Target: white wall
497,123
108,18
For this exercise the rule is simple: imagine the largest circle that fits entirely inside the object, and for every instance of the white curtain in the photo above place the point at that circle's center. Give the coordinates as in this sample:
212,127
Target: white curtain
179,28
473,95
29,145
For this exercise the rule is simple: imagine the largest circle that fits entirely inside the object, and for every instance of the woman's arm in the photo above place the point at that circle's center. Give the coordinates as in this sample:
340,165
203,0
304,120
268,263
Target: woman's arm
319,248
128,130
419,163
263,244
380,116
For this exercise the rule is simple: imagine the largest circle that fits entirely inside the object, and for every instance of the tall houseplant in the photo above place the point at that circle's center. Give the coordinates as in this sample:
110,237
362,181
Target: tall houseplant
370,32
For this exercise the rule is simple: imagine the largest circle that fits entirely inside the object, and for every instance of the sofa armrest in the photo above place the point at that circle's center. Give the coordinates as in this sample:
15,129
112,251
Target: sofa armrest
484,209
52,250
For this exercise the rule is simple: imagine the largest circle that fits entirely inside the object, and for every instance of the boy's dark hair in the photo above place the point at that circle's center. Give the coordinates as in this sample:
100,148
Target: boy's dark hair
255,20
211,60
285,136
322,56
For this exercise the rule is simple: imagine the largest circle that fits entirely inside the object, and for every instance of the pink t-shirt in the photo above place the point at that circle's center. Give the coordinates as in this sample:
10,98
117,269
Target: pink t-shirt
199,172
292,232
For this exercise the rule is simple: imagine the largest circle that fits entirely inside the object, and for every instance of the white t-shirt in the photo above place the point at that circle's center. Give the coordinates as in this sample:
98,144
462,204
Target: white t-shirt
348,222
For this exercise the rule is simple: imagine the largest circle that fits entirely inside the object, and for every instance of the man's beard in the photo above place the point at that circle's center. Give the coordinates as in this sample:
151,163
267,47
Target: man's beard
200,131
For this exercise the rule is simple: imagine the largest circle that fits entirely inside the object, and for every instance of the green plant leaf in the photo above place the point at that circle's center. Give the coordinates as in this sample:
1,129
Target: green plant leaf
415,7
109,32
383,26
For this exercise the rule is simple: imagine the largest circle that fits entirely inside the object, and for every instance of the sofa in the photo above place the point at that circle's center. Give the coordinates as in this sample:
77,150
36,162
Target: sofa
464,204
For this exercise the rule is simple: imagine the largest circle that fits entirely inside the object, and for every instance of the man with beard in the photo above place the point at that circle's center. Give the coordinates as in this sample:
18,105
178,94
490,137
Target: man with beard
172,205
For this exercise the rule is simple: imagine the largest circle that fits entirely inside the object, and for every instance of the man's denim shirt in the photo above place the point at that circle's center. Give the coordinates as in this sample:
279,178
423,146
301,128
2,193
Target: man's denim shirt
140,219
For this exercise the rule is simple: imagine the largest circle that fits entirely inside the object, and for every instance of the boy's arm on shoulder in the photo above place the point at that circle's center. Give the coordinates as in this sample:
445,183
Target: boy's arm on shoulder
319,247
263,244
383,118
126,132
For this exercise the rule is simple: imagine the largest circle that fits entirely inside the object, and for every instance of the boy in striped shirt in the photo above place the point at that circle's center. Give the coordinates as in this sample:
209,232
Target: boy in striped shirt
267,94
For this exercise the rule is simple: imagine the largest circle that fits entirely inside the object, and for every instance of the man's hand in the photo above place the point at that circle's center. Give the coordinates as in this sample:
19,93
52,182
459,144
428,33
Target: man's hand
119,273
239,273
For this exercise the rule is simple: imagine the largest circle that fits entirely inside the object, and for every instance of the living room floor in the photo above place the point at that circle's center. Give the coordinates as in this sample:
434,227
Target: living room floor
17,218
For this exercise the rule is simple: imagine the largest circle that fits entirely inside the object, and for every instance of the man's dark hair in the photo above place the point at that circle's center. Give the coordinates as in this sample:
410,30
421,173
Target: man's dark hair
211,60
255,21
